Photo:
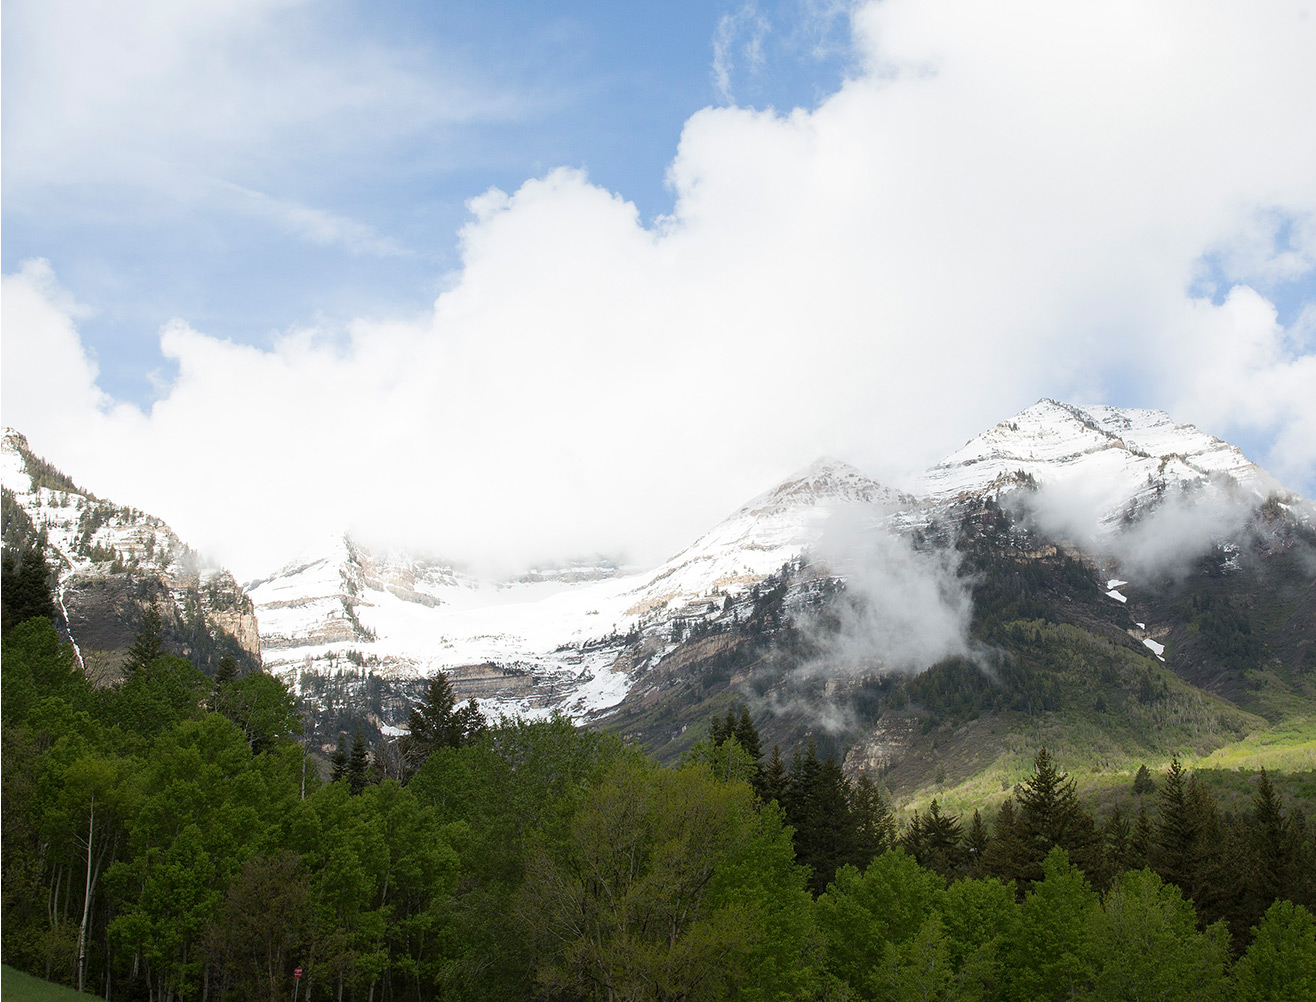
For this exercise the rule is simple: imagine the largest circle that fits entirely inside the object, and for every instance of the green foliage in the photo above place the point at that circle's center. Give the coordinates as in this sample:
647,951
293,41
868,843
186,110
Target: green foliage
437,723
1150,946
1281,962
25,587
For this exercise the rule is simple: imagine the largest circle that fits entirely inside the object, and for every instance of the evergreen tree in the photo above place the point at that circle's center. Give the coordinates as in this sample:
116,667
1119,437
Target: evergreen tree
1117,834
976,841
1173,850
747,734
25,587
226,671
339,760
771,781
874,827
438,723
1048,815
358,766
935,840
1142,782
149,644
1140,840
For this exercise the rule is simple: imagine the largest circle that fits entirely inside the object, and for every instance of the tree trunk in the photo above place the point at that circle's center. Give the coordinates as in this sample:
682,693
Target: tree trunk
86,900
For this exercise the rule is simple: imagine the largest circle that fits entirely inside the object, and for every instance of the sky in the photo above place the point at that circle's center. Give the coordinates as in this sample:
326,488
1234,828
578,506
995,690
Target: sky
515,282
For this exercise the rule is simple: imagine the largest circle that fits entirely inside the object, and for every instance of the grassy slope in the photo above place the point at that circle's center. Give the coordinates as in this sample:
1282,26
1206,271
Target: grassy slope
19,987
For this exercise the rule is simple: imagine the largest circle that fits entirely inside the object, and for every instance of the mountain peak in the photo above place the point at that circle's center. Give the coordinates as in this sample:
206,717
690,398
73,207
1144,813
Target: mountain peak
1129,450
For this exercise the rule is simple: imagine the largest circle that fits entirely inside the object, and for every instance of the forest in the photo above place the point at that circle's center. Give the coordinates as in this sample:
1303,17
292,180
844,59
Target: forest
168,837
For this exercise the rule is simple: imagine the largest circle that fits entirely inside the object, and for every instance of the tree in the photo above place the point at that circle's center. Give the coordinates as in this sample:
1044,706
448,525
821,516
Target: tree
1055,954
1150,946
149,645
25,587
358,766
339,761
1048,815
1281,962
874,827
1142,782
633,902
976,841
860,913
263,707
438,723
1173,850
770,783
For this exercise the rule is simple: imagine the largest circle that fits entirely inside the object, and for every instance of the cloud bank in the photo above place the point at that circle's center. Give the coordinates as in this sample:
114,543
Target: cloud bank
1008,200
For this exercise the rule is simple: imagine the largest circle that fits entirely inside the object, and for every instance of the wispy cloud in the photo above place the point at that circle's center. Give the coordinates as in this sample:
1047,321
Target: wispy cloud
738,47
314,225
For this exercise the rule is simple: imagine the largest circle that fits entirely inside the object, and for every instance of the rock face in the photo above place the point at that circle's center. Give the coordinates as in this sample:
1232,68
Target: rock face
113,562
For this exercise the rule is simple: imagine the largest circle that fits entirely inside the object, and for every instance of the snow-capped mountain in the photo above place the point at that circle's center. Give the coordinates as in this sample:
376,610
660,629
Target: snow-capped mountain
551,640
113,560
1121,458
348,626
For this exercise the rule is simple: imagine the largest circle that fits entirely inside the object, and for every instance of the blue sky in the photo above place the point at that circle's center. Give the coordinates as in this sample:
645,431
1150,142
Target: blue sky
600,86
538,280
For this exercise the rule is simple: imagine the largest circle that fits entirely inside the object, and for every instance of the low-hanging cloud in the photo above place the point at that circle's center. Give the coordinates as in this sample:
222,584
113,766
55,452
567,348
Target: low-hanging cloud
1164,538
1005,202
903,608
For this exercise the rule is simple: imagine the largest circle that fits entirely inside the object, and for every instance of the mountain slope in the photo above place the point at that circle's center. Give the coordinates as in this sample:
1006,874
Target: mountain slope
112,562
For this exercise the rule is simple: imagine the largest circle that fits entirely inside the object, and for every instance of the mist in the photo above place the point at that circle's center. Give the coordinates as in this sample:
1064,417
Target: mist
1165,539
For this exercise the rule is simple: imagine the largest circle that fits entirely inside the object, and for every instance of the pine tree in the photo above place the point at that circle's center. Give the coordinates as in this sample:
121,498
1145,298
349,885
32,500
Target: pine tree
339,760
771,780
1116,833
747,734
1140,840
358,766
1142,782
1269,849
149,644
936,842
874,827
976,841
438,723
1173,850
1050,815
25,587
226,671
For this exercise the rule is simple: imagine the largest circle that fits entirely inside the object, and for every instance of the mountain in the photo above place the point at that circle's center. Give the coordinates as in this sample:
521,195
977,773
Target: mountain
1105,581
351,628
112,562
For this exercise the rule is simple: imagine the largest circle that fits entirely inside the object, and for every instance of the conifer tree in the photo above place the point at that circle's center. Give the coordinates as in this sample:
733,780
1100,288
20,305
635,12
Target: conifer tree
226,671
772,779
1116,834
1048,815
358,766
149,644
748,735
25,587
1142,781
340,759
1173,853
976,841
1140,840
438,723
874,827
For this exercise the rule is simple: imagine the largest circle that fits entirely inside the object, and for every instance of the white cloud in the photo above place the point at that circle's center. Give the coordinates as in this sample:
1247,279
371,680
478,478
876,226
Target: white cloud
738,47
144,102
315,225
1012,201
